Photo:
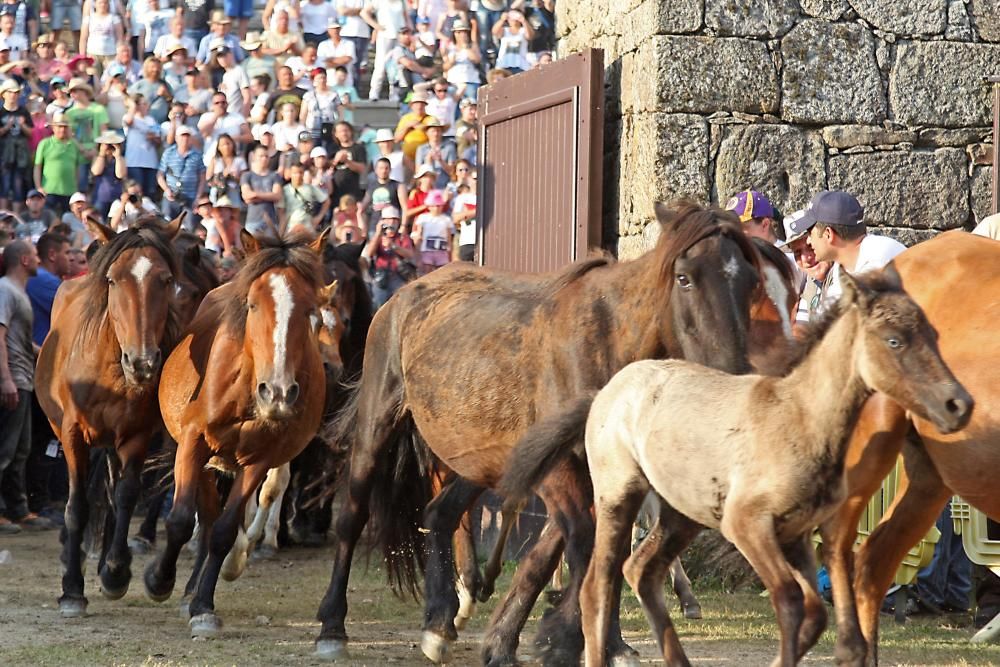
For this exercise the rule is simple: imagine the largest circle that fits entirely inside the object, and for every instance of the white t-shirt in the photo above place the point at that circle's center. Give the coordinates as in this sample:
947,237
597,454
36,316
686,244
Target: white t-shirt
301,70
286,5
989,227
139,150
101,35
327,49
391,15
315,18
467,229
875,253
396,167
132,212
444,110
354,26
229,124
286,137
464,70
166,42
434,228
233,83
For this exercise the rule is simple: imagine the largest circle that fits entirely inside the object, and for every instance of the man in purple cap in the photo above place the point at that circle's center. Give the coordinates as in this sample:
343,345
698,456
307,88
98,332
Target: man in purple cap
758,216
837,233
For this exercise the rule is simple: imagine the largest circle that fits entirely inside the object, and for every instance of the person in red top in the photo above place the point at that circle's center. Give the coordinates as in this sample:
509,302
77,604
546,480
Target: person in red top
423,183
392,254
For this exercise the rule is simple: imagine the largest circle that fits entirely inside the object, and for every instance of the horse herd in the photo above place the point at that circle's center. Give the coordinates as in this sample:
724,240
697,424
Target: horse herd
591,387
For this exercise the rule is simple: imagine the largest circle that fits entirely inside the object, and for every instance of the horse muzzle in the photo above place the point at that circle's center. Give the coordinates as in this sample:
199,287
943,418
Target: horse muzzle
276,401
141,368
953,411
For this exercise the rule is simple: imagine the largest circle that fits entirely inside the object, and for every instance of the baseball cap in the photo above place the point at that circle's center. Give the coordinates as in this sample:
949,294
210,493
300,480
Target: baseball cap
750,204
34,193
793,227
390,213
4,46
831,208
260,130
425,169
460,25
116,69
319,151
435,198
77,197
423,19
184,129
384,135
333,22
466,102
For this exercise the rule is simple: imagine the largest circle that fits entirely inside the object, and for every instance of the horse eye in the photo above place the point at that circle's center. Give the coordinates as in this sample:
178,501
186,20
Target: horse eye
683,281
894,343
251,307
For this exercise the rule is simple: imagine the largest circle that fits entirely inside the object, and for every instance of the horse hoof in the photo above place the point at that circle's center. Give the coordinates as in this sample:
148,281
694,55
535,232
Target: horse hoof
73,608
184,609
205,625
990,632
264,552
466,606
332,649
139,545
436,648
115,586
692,612
625,660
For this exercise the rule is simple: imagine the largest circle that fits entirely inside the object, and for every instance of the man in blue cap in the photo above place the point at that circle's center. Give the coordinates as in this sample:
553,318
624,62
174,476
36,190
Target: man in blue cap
835,221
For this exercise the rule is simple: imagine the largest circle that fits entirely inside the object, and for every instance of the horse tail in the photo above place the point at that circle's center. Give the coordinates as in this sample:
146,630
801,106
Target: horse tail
400,493
545,443
101,480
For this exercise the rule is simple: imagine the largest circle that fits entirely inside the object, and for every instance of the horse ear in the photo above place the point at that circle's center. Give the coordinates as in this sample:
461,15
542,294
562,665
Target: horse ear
192,255
173,227
320,242
854,291
250,245
101,232
892,279
327,293
664,214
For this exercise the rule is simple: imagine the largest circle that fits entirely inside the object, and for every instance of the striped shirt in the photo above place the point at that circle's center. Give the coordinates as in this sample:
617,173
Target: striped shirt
183,172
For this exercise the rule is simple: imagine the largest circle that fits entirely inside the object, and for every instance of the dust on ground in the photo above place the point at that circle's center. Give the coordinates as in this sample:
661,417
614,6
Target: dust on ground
269,619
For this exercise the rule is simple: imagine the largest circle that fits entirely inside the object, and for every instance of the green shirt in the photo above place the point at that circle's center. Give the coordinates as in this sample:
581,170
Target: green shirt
86,123
59,160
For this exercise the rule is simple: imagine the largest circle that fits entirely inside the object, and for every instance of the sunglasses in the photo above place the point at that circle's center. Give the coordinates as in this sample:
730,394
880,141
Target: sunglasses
440,90
462,169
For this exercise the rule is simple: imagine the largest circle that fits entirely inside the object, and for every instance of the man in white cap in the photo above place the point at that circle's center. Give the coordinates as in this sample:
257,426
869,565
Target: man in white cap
336,51
220,30
181,175
385,140
57,162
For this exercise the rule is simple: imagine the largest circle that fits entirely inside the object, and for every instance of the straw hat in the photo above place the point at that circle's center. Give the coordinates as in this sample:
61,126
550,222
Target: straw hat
219,16
224,202
110,138
10,85
80,84
59,118
253,41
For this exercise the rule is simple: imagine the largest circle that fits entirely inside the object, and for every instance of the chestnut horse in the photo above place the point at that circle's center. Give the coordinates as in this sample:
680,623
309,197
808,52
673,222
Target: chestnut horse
465,359
96,381
954,277
244,392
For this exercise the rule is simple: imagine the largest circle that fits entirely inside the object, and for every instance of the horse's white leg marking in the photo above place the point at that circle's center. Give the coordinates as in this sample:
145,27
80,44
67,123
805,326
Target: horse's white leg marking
284,304
274,494
777,292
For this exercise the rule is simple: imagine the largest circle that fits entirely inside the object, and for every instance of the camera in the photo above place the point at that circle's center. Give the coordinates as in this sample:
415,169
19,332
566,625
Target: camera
310,207
133,198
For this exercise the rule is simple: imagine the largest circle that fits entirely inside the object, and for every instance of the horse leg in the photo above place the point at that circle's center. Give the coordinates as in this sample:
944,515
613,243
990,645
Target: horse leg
271,496
441,519
683,590
495,563
236,560
142,542
209,508
753,534
802,558
204,621
376,421
918,502
469,581
871,454
533,573
72,603
161,573
617,498
647,569
117,573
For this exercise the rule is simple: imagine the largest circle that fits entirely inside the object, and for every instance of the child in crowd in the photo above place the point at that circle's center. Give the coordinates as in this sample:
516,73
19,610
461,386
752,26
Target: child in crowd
432,233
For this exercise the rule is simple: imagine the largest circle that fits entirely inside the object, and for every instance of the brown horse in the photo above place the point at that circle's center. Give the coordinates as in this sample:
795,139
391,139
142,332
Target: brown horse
465,359
954,278
243,391
96,381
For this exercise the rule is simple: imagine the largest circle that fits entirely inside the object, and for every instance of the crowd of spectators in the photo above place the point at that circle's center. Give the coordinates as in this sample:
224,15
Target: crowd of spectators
243,117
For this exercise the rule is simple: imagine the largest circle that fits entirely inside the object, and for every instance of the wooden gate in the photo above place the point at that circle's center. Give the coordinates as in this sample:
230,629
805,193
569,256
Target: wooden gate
541,146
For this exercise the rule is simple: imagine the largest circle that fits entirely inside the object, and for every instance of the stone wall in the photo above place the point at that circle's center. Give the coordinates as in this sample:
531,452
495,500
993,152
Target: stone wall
885,99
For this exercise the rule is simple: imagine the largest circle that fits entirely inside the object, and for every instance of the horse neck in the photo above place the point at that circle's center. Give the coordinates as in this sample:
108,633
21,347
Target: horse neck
827,389
633,294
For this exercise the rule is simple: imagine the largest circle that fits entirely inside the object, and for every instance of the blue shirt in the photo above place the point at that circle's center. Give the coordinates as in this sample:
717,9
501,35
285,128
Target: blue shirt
42,292
231,40
184,171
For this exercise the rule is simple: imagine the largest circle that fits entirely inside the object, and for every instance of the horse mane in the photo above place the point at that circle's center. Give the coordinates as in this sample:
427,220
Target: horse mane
816,330
578,269
292,253
148,232
364,309
776,257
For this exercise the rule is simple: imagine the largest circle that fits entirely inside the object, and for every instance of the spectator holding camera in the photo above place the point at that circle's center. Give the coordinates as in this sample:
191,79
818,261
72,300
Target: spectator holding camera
143,137
348,161
391,254
181,175
513,34
438,154
15,131
305,205
129,207
262,191
108,170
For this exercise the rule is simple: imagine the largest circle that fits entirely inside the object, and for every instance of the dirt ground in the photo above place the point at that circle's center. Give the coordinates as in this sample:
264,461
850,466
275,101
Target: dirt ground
269,617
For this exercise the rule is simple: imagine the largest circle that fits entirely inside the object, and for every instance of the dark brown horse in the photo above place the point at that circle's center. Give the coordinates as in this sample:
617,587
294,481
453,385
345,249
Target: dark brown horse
464,360
97,377
954,278
244,390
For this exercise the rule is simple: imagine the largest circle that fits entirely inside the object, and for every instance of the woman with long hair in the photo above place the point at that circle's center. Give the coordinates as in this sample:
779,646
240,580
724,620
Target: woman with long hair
319,108
423,183
223,172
